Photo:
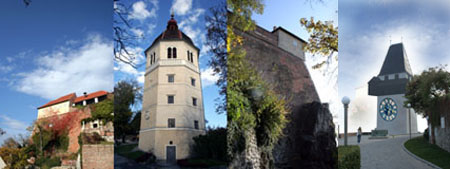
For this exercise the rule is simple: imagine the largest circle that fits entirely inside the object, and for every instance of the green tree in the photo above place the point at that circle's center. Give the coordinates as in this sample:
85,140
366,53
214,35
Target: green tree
126,94
212,145
429,94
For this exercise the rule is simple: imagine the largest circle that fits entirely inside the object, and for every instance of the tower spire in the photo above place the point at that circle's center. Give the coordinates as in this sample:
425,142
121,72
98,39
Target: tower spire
171,14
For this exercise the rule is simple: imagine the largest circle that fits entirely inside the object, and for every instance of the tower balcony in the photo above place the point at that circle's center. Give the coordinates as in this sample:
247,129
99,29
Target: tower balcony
172,62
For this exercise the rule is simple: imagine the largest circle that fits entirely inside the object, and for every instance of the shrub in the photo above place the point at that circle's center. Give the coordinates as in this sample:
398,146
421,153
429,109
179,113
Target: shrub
349,157
212,145
426,134
146,158
47,162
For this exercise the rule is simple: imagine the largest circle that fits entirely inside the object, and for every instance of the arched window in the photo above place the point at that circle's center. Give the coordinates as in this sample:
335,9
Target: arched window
169,53
174,52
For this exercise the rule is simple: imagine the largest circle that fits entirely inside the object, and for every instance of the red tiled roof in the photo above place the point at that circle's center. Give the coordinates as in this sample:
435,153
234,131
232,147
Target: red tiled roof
59,100
90,96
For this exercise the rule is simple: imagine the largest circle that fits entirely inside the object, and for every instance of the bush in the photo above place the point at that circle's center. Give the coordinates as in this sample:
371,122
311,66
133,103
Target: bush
146,157
349,157
91,138
212,145
426,134
47,162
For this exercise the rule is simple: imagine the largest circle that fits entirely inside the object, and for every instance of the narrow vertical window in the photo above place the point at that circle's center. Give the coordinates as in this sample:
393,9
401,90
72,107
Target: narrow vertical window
154,57
194,101
171,78
192,81
174,52
192,57
169,53
170,99
188,55
151,59
195,124
171,123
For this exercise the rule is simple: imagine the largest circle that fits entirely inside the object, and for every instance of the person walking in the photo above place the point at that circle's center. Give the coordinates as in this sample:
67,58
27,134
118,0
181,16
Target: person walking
358,134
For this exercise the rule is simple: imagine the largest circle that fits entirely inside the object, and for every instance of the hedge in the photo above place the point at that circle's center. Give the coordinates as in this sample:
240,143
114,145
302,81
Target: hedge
349,157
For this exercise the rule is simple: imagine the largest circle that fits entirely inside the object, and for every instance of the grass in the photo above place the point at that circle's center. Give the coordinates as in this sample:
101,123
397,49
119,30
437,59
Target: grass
202,163
349,157
429,152
127,151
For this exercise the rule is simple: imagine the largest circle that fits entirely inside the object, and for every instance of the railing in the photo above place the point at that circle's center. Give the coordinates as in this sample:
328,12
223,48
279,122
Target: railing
172,62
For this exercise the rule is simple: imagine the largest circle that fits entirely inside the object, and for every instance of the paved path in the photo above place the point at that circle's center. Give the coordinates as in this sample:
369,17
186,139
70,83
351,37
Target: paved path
385,153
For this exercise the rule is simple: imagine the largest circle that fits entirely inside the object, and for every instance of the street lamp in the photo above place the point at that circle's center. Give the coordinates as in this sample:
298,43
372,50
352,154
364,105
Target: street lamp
409,117
345,101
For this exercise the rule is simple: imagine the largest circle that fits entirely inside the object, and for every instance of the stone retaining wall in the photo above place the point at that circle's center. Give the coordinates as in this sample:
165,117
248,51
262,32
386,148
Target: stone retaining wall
98,156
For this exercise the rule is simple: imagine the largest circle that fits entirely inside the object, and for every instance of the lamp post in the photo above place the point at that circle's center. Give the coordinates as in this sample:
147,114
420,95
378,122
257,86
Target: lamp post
409,118
345,101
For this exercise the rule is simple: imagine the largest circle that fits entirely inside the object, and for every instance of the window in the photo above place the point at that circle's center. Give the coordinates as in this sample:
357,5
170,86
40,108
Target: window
174,52
171,123
171,78
195,124
95,125
169,53
188,56
151,59
194,101
192,57
170,99
192,81
154,57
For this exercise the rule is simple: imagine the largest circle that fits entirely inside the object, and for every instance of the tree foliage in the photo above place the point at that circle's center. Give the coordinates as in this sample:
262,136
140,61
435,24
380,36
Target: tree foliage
103,111
252,106
126,94
212,145
323,39
216,40
429,92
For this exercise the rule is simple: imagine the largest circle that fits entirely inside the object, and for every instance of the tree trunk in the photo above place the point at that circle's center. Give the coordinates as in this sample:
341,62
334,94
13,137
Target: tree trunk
250,157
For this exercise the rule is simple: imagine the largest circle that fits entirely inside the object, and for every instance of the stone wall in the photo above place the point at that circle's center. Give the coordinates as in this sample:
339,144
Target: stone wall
442,136
309,138
98,156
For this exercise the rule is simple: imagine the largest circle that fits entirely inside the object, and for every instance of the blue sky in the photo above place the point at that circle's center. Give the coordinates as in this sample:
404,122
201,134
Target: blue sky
149,18
367,28
287,15
49,50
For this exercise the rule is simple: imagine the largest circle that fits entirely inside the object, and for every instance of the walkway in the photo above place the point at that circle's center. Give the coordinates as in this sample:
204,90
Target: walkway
385,153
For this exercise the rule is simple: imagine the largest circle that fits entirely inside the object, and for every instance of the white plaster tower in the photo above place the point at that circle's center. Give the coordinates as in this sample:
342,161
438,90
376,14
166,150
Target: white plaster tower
389,87
172,109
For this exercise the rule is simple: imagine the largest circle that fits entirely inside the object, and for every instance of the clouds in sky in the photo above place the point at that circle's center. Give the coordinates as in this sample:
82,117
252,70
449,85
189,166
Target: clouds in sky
140,12
181,7
12,124
208,77
85,68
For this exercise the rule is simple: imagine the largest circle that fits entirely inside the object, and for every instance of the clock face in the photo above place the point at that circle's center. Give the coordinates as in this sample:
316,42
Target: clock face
388,109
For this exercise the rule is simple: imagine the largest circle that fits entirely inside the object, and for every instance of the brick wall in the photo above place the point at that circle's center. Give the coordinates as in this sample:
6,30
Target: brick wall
98,156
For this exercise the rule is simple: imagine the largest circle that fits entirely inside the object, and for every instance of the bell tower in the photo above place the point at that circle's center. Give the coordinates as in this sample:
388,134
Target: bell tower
172,108
390,87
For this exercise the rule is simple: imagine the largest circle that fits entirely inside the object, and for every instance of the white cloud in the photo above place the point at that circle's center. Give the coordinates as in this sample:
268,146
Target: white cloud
137,32
140,11
181,7
83,69
208,77
150,28
12,123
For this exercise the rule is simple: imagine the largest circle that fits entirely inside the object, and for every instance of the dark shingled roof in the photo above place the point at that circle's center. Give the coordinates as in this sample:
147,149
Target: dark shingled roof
172,33
396,61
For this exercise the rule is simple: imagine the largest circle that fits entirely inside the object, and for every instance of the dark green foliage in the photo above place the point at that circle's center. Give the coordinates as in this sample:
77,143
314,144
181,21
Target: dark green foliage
103,111
48,162
349,157
212,145
126,94
90,138
136,123
429,152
